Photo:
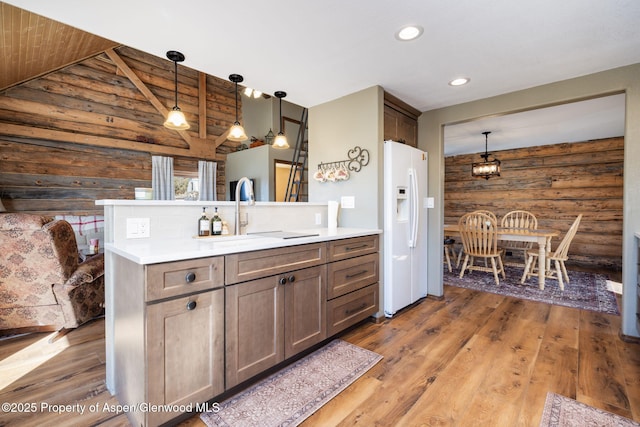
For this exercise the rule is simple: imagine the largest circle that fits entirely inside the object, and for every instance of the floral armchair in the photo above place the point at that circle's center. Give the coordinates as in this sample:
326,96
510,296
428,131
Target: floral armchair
42,283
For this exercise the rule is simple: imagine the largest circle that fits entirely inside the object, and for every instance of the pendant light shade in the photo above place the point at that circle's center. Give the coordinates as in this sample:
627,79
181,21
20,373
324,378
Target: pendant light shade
487,168
175,118
236,132
281,139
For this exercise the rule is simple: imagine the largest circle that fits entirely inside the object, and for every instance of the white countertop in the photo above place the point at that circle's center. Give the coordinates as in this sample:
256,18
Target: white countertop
146,251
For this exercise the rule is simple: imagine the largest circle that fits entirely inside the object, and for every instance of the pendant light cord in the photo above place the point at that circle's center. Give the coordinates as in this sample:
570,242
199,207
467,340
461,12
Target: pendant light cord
280,115
236,101
175,76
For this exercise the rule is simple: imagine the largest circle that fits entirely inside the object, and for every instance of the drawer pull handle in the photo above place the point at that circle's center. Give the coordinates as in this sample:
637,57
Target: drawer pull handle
191,305
190,277
292,278
283,281
359,273
353,248
355,310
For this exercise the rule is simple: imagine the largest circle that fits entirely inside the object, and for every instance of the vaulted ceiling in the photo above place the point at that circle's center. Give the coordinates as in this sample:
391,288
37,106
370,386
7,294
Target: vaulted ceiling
32,45
319,51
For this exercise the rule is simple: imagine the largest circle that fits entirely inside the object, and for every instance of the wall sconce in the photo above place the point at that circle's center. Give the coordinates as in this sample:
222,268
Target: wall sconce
488,168
281,139
237,133
175,119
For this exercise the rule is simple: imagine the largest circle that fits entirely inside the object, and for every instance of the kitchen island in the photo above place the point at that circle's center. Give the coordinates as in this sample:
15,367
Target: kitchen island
193,317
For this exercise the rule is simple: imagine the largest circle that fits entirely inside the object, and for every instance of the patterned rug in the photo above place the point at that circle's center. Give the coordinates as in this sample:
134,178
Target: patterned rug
586,291
289,396
560,411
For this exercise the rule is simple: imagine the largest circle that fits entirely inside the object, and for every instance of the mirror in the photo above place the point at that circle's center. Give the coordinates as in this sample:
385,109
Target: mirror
266,165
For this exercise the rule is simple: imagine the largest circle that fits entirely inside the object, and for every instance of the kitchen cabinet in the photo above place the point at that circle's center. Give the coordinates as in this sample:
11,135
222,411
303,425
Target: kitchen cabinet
273,318
400,121
353,276
186,331
185,353
169,328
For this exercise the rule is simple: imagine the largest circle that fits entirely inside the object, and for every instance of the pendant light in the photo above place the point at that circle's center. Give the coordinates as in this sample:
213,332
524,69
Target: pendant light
486,169
175,118
237,133
281,140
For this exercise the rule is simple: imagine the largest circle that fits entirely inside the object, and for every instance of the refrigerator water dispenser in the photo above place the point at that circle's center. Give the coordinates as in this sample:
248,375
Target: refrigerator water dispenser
402,204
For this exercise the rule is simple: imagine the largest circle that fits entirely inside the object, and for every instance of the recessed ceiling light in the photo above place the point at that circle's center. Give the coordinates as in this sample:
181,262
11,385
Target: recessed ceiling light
459,81
410,32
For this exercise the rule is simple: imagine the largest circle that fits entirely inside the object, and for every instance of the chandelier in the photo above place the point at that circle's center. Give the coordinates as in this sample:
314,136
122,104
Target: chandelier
487,168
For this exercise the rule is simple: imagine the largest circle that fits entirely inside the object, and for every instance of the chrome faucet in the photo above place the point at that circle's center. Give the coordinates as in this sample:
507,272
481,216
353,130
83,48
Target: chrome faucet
252,201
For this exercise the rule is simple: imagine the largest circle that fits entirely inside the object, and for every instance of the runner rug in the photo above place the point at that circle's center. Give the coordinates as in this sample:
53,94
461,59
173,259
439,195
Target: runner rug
560,411
587,291
292,394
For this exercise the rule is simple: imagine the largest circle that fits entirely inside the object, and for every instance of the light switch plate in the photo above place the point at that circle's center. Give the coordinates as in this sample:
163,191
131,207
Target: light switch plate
429,202
347,202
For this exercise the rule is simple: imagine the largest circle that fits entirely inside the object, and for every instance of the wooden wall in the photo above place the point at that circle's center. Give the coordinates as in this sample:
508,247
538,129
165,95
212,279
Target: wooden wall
88,131
556,183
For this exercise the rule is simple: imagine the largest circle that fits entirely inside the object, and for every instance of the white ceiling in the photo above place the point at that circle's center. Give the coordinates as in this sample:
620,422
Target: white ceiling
321,50
579,121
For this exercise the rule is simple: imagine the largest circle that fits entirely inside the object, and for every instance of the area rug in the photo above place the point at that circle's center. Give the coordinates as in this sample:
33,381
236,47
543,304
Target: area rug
587,291
560,411
289,396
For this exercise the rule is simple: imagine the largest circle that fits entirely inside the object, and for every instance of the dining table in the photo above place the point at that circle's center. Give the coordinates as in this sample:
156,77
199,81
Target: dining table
540,236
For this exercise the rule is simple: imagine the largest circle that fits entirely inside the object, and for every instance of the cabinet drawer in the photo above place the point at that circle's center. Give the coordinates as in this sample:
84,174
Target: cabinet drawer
352,274
349,248
181,277
245,266
349,309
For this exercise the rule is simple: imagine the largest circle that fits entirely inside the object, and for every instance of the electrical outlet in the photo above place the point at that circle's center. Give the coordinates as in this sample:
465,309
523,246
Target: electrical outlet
138,228
347,202
318,218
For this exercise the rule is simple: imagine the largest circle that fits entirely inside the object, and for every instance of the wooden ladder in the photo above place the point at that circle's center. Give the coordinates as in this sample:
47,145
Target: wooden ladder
298,176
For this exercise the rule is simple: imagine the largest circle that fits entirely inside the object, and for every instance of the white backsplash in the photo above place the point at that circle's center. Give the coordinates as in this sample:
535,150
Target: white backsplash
170,219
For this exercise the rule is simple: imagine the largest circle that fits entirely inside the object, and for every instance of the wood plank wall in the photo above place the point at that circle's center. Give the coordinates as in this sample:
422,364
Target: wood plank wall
556,183
87,132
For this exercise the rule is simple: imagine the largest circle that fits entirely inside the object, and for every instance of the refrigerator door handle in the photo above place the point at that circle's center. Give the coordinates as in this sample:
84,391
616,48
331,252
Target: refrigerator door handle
414,208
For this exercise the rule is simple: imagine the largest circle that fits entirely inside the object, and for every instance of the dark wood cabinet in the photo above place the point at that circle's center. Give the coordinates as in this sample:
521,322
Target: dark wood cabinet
400,121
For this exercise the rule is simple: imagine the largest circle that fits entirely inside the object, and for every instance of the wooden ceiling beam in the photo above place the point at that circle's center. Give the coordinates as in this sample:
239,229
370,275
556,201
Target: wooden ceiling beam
139,84
199,148
202,105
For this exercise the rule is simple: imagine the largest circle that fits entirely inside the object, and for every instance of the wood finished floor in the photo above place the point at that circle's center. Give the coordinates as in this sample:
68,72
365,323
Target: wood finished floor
470,359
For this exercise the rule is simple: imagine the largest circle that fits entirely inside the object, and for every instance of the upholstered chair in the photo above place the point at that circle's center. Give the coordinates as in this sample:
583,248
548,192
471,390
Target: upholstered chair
42,284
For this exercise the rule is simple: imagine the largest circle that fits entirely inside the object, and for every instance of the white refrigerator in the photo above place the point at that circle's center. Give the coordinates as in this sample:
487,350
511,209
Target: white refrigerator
405,226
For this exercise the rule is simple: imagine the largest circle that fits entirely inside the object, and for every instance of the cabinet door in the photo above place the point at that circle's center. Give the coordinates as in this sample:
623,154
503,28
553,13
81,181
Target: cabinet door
407,130
305,303
185,351
390,124
254,325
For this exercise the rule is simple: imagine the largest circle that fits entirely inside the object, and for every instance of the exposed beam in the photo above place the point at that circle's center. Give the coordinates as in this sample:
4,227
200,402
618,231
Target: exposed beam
131,75
202,105
221,139
199,148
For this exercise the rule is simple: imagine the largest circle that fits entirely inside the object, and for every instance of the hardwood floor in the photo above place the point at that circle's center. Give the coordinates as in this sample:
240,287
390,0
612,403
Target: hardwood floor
471,358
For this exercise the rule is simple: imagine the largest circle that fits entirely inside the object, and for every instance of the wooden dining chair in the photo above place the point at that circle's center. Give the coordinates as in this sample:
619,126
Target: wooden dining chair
517,219
479,235
449,252
461,253
559,256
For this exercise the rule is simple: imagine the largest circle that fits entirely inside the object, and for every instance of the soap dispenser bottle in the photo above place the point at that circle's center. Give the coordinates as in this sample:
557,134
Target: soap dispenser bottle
216,223
203,224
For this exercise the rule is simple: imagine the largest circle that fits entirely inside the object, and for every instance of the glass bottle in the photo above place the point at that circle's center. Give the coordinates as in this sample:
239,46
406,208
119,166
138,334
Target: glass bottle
216,224
203,224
